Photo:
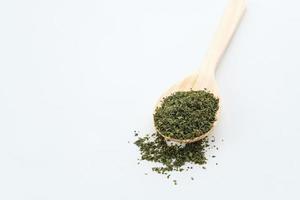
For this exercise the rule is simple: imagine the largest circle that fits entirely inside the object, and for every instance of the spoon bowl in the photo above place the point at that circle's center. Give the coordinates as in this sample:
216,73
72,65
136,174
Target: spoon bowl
187,84
205,77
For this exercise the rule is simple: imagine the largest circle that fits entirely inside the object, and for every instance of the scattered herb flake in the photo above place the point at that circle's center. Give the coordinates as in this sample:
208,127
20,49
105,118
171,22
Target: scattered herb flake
173,157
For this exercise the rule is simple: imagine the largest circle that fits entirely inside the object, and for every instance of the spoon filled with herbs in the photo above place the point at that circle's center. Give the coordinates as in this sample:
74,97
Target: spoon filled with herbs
188,111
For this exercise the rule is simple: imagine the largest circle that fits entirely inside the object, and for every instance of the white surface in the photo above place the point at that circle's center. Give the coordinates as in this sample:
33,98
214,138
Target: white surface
77,77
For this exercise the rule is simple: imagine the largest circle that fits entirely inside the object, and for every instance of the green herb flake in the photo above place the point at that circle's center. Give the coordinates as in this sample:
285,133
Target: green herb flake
175,182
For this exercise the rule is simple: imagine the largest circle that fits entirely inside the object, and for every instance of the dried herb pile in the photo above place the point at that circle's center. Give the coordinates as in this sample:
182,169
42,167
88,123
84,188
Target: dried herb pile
186,115
154,148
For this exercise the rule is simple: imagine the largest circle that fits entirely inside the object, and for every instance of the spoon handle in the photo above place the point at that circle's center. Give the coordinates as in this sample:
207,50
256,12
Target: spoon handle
222,37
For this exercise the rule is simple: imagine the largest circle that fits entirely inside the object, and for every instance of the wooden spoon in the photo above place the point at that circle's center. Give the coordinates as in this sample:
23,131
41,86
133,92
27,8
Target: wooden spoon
205,77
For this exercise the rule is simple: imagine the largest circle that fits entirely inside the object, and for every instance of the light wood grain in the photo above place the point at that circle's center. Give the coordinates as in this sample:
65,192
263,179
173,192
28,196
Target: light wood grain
205,77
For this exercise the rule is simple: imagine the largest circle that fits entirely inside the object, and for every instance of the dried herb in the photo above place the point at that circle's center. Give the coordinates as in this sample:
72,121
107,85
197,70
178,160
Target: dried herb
186,115
183,115
175,182
172,157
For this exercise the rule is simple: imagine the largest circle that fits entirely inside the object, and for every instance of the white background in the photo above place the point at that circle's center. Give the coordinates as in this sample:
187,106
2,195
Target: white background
78,77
